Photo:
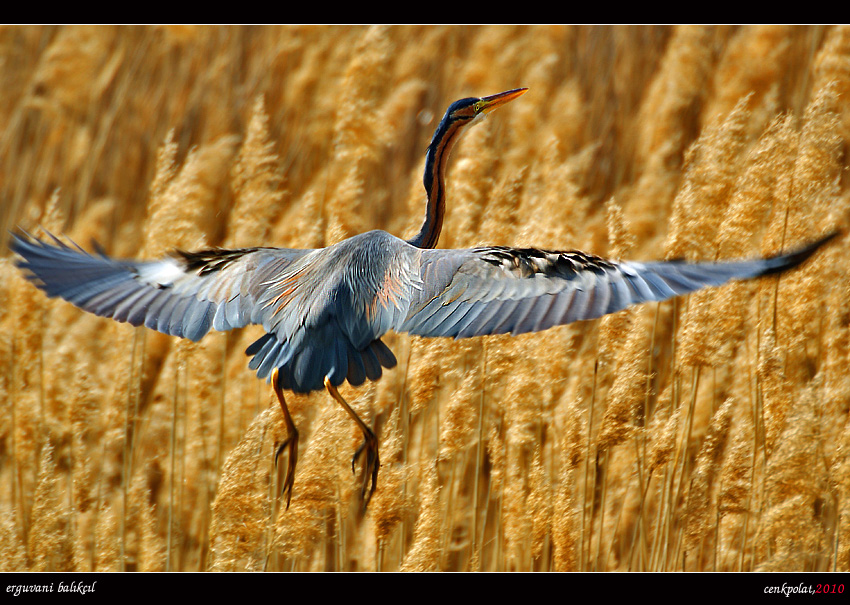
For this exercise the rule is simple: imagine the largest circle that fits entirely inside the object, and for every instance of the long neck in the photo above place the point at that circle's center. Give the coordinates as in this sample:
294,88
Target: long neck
441,145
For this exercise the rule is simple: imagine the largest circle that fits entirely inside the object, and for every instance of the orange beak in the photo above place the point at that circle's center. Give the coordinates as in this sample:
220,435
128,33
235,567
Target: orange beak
488,104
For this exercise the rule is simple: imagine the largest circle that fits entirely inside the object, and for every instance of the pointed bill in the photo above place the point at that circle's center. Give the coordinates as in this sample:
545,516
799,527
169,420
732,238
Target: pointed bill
488,104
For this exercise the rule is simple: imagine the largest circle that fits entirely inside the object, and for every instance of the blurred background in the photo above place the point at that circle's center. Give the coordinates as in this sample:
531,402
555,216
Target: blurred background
707,433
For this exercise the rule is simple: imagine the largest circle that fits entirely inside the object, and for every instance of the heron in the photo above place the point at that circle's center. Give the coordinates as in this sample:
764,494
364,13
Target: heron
324,311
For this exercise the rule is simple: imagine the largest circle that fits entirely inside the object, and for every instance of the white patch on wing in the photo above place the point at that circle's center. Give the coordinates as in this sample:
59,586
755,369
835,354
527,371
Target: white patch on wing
161,273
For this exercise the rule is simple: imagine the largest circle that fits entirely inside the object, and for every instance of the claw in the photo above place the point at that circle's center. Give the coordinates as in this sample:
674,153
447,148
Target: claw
291,444
370,466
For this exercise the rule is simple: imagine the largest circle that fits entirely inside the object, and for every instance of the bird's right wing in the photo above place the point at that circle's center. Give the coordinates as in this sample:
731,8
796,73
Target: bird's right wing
183,295
497,290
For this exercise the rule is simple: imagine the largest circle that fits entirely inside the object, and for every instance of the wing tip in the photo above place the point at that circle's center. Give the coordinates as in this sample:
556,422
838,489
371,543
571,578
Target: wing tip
784,261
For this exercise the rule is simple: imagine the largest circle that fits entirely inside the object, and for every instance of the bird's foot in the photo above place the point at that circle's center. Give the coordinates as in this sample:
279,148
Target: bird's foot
291,445
371,464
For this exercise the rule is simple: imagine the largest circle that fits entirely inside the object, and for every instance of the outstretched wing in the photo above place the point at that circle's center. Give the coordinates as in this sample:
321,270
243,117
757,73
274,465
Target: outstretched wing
498,290
183,295
325,311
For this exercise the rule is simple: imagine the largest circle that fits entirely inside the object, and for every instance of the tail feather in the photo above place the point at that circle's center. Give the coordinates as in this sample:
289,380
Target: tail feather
323,354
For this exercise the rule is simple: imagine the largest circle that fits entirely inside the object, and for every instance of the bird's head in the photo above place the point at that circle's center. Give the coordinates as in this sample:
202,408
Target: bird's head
473,109
466,112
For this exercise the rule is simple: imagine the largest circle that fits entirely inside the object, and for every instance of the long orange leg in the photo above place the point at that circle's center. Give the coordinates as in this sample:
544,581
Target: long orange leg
371,463
290,443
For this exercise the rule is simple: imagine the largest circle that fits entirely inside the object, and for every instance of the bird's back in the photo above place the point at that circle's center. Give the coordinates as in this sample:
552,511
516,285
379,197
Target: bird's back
325,314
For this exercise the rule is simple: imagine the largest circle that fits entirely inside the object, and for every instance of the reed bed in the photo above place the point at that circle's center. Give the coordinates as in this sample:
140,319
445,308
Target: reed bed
707,433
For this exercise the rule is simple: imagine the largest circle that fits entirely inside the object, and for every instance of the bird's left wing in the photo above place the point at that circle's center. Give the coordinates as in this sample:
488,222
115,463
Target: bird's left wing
183,295
496,290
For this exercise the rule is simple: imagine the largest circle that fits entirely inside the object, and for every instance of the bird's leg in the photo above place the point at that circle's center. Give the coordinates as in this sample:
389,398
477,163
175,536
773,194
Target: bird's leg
370,445
290,443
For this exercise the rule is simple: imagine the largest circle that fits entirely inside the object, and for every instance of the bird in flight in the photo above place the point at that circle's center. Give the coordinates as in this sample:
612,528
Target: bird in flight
325,310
